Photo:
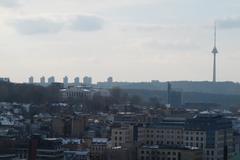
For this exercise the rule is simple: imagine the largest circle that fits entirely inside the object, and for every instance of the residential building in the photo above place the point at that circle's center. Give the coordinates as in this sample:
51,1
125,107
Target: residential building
42,81
51,80
65,82
98,148
76,81
122,136
31,80
77,155
87,81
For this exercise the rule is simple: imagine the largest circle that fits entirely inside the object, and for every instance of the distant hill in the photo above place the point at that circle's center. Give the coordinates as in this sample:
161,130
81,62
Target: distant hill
189,97
228,88
223,93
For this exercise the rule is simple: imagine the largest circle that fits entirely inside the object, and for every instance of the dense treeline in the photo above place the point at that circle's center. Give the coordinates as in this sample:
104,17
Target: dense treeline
26,93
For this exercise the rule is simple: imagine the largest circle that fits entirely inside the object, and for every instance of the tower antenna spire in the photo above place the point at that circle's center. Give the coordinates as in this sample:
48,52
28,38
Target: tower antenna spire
215,34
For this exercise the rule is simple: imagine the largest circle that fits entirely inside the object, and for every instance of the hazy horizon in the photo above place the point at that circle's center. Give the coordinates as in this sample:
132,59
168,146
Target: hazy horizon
131,40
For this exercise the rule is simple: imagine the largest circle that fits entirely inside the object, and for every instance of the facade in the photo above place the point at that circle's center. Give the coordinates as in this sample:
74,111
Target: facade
51,80
77,155
69,126
121,153
77,92
42,81
156,152
2,79
31,80
50,149
122,136
87,81
76,81
38,148
164,133
78,126
110,80
65,82
212,133
98,148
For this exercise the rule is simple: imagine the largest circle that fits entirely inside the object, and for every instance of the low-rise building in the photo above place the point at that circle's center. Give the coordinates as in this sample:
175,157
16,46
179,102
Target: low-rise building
158,152
98,148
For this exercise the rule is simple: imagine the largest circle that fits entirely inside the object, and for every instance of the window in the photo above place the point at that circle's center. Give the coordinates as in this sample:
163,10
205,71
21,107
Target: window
212,153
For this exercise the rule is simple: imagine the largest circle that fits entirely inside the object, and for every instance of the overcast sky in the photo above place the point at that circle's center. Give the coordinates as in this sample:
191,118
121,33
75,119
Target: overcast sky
131,40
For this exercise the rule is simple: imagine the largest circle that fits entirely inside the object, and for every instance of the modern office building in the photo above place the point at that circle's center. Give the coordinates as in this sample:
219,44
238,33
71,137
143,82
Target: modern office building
212,133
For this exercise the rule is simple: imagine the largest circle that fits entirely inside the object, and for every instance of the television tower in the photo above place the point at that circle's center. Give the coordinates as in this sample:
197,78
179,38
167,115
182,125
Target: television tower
215,51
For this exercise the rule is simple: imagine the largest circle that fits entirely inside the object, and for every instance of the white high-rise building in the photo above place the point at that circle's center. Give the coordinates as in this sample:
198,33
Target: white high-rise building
42,81
65,82
77,81
87,80
31,80
110,80
51,80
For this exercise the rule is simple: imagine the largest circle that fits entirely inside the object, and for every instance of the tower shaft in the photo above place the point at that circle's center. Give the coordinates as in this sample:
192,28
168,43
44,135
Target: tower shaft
214,67
215,51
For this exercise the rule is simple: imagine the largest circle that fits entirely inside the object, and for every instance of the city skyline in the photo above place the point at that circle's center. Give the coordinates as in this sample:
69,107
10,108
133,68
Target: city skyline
131,41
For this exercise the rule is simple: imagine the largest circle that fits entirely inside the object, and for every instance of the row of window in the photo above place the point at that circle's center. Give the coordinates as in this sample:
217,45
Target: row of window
158,152
164,136
196,138
165,131
162,142
158,158
191,132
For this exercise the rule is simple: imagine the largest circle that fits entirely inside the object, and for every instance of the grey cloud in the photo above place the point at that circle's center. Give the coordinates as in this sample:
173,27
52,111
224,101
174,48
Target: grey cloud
87,23
38,26
181,45
55,24
9,3
229,23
